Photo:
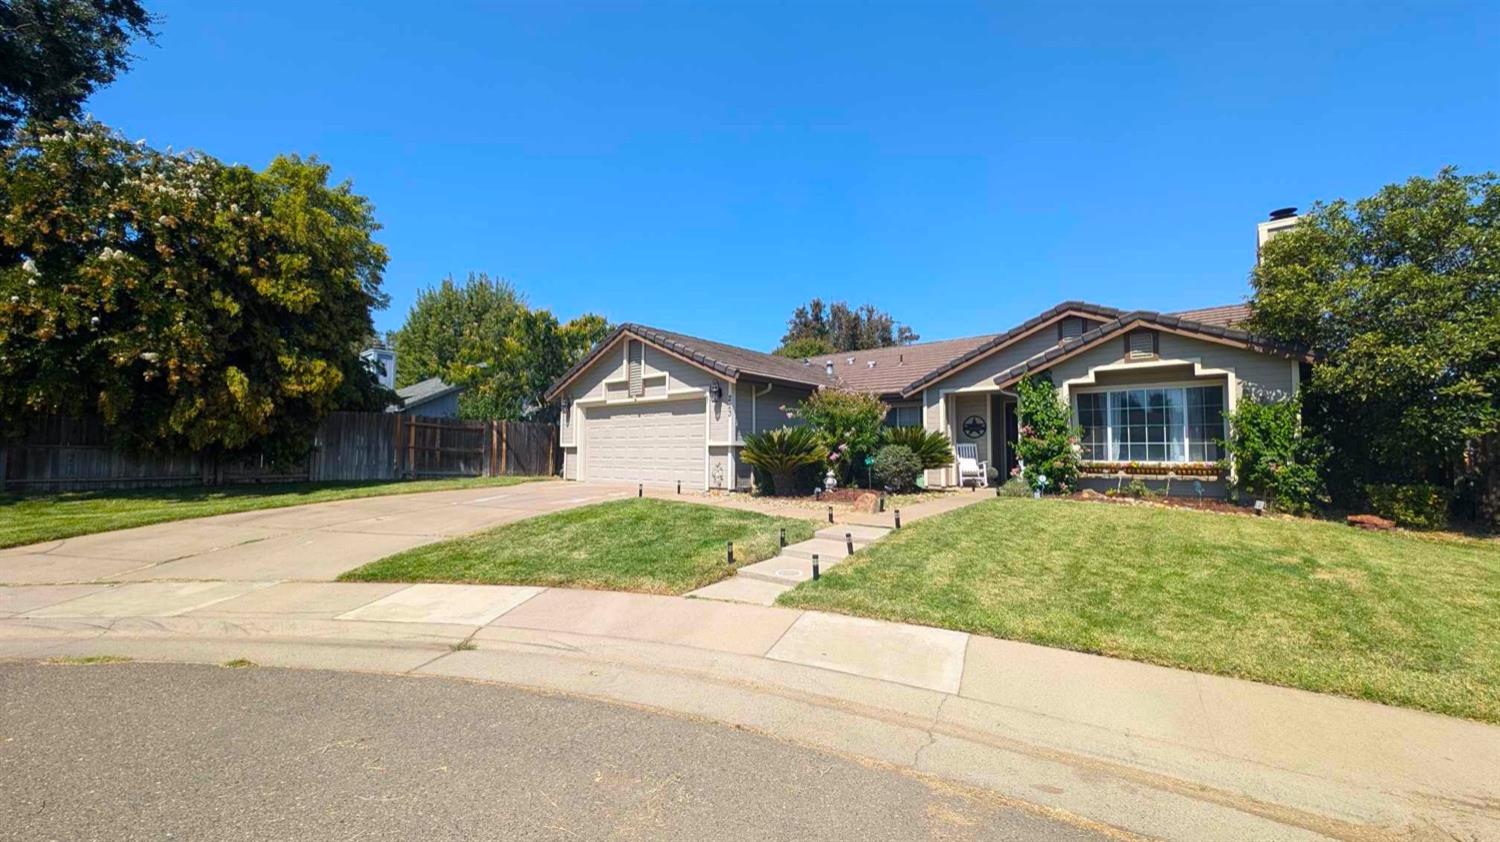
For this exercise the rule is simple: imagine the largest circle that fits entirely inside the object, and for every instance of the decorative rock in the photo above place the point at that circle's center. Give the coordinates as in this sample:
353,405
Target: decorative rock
1374,523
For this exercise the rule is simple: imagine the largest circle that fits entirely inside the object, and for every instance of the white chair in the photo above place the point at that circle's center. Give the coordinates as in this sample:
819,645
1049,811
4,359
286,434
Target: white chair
969,466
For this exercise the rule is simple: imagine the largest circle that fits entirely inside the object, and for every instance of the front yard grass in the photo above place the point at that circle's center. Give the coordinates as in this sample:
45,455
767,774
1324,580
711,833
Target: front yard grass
48,517
1399,618
644,545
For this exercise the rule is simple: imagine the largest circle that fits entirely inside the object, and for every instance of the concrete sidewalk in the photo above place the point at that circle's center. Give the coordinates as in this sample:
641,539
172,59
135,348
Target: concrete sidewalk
1153,751
313,542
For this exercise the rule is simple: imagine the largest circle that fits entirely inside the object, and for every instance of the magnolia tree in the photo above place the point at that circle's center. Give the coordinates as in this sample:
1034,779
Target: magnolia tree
187,302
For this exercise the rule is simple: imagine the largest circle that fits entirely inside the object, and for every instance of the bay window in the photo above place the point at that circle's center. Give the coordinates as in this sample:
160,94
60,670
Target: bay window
1153,424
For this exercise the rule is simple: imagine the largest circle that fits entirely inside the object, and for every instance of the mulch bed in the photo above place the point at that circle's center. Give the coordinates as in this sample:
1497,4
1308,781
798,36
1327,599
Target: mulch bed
1204,504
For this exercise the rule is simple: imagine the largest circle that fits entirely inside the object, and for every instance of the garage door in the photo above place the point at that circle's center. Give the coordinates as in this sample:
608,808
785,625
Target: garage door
657,444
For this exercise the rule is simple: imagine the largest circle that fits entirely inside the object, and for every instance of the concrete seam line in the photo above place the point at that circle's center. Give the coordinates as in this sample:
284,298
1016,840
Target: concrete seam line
795,620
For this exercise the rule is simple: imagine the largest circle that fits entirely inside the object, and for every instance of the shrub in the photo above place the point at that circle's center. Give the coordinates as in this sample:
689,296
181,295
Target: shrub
782,453
932,448
1048,442
1014,487
1272,457
846,423
1418,505
897,467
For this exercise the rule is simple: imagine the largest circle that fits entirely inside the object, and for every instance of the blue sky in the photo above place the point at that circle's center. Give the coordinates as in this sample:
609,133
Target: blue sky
707,166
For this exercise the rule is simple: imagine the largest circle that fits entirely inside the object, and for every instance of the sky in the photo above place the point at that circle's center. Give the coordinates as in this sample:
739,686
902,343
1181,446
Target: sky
706,167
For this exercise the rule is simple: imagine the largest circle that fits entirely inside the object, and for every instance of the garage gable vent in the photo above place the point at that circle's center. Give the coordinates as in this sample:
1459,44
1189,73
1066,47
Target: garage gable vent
1140,344
636,366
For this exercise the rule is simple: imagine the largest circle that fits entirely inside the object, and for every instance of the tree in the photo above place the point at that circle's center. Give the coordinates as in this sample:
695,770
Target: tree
847,424
1273,454
186,302
448,316
842,329
55,53
482,335
1048,442
1399,295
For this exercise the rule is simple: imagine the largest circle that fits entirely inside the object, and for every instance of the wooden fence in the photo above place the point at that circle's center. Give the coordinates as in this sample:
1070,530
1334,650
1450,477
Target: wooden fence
73,454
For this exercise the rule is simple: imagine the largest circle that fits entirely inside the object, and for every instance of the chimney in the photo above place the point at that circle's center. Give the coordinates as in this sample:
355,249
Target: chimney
1280,220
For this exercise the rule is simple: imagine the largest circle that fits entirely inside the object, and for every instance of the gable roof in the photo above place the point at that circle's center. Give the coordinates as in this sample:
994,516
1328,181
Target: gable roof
1148,318
731,361
1224,315
1000,340
425,390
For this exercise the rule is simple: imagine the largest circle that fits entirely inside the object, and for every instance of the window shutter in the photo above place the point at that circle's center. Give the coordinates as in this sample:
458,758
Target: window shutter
1141,344
637,353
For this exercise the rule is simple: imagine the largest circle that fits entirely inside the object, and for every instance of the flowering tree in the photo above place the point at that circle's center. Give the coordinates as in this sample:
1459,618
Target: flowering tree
186,302
847,424
1048,442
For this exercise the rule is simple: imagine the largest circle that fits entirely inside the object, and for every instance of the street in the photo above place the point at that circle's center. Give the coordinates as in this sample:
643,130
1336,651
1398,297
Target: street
156,751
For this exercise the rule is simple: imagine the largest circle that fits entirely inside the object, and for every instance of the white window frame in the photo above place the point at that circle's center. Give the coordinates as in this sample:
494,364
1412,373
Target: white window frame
1109,430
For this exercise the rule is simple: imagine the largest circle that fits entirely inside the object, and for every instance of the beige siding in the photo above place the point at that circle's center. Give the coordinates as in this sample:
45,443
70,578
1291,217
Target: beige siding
570,463
1253,371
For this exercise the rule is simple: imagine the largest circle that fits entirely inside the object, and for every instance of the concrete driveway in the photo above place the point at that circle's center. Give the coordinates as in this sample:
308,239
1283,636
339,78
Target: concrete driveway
301,543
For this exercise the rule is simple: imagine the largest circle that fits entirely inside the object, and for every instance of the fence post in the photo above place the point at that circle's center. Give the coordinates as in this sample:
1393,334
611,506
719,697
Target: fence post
495,448
554,445
4,463
504,445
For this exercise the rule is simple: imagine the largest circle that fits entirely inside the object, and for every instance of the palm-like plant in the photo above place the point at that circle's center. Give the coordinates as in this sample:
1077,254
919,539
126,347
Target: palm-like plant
933,448
783,452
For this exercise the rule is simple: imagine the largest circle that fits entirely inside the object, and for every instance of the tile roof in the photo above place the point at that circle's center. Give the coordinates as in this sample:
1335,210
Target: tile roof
1001,339
1225,315
905,369
896,366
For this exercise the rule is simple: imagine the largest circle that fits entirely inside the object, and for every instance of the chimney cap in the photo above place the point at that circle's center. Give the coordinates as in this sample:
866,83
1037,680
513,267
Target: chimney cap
1283,213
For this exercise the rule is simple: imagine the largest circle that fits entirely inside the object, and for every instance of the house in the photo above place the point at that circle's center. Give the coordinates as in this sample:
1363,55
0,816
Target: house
1149,390
431,398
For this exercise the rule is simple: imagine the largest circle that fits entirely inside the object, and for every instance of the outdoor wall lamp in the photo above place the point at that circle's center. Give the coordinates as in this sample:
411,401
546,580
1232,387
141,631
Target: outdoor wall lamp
716,391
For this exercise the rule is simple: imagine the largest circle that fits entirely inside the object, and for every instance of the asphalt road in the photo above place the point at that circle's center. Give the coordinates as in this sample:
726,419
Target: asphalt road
160,751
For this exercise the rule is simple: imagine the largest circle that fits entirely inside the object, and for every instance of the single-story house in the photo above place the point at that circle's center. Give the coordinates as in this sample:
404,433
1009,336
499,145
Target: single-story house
431,398
1149,390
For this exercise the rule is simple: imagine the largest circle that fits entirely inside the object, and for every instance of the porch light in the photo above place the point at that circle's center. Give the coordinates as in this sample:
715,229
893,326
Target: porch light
716,391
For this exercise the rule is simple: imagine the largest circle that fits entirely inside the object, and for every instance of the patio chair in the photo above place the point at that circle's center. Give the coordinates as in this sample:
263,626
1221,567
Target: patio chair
969,466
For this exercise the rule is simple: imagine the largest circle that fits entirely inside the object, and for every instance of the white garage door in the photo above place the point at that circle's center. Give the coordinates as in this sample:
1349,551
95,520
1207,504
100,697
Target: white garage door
657,444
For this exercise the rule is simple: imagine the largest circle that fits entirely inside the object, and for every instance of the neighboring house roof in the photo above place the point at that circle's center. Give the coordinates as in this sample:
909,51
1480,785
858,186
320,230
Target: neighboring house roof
1225,315
1147,318
731,361
424,391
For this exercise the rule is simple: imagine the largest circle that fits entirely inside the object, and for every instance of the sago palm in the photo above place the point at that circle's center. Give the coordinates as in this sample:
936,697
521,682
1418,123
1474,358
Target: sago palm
933,448
783,452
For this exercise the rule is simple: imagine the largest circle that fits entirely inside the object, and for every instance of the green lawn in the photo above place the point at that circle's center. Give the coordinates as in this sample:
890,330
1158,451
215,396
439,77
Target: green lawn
1404,619
651,546
30,519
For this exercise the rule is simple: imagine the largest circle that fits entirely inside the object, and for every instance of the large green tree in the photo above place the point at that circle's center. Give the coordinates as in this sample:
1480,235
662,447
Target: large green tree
448,317
55,53
1399,294
481,334
839,327
187,302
